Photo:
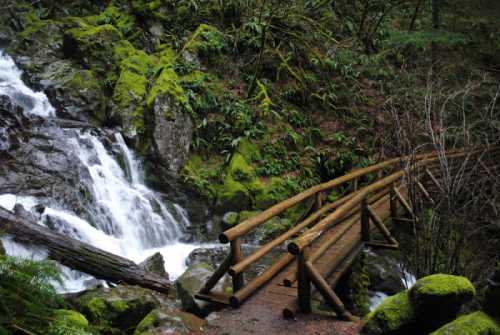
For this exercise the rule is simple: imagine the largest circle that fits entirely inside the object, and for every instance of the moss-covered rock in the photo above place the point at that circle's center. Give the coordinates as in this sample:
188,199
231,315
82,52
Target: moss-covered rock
439,297
121,307
169,320
248,150
394,316
94,47
477,323
65,317
189,284
155,264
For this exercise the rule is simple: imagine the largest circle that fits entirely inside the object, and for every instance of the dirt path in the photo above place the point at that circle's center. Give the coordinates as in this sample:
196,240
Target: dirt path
265,321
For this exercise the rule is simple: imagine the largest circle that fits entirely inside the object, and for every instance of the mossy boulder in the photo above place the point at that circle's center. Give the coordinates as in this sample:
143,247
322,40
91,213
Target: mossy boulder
68,318
169,320
439,297
189,284
93,47
477,323
121,307
75,93
394,316
432,302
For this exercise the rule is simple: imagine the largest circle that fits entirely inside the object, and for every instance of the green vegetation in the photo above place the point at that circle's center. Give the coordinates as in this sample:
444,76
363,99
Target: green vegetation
476,323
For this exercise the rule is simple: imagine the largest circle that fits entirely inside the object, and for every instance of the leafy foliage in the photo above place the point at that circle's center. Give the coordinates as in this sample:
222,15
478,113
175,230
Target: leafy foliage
26,292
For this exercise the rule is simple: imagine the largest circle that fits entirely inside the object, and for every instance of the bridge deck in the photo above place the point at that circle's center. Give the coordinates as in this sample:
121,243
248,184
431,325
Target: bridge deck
266,306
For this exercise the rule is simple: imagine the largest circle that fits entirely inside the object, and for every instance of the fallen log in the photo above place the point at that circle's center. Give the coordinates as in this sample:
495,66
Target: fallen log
81,256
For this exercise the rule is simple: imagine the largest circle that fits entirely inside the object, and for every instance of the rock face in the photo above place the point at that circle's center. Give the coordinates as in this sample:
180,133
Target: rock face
477,323
173,131
169,321
430,303
34,150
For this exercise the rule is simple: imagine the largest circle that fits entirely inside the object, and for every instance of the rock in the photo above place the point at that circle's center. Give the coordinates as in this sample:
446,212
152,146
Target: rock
212,256
76,94
432,302
65,318
22,212
2,249
477,323
394,316
121,307
169,321
173,130
190,283
385,274
439,297
155,264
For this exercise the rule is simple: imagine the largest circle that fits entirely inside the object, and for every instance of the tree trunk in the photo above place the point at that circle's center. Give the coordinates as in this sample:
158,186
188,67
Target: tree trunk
80,256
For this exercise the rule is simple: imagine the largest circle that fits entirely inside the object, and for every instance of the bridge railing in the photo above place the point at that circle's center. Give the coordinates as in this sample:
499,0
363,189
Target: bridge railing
236,263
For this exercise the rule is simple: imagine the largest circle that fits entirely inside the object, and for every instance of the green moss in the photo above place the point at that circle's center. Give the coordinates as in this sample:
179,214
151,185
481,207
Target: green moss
248,150
96,308
233,195
239,169
394,315
477,323
117,17
119,306
65,317
206,41
442,289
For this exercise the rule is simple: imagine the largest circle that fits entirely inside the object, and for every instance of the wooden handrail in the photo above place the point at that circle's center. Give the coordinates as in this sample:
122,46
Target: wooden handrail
247,225
296,246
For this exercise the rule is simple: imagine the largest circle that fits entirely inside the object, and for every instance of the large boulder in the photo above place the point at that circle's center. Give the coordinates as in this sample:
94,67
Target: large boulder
477,323
169,321
439,297
121,307
432,302
395,315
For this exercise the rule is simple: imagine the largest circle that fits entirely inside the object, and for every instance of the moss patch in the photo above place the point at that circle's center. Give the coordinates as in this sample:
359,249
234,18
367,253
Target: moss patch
477,323
394,315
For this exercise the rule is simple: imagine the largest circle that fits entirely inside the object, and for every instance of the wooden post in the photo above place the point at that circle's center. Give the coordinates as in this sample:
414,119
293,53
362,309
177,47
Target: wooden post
356,184
236,256
319,200
365,221
304,283
393,203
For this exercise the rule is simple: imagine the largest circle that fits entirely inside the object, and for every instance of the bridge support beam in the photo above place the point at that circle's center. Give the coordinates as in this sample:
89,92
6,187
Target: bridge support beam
304,283
236,257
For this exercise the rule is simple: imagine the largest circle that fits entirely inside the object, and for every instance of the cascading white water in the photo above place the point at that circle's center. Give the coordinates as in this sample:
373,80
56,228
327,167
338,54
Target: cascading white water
133,221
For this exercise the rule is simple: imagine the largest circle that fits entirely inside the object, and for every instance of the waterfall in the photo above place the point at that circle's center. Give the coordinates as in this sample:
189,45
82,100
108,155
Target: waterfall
130,219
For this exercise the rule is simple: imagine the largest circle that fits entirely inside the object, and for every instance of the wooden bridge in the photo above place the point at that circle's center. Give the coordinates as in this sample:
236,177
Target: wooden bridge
325,243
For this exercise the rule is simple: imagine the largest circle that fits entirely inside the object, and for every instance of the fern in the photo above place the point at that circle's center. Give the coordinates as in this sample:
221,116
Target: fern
26,293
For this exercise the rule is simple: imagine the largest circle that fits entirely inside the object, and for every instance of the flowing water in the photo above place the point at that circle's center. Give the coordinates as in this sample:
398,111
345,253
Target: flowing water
129,219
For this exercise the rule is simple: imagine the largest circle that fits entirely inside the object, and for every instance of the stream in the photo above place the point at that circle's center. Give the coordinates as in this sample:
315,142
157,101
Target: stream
114,211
